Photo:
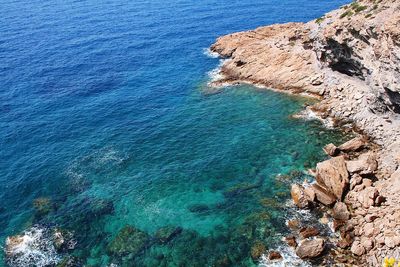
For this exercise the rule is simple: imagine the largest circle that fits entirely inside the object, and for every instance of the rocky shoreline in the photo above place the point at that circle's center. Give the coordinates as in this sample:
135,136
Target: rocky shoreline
348,59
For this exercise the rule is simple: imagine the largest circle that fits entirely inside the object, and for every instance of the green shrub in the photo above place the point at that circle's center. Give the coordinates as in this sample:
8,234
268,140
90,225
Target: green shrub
357,7
319,20
347,13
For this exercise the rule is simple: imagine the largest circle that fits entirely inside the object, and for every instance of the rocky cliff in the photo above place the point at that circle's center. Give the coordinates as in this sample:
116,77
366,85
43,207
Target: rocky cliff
350,59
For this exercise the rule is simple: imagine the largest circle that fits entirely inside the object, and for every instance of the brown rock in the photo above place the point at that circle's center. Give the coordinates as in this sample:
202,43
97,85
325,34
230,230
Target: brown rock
332,174
310,248
307,232
337,224
310,194
340,211
345,241
365,164
331,150
356,179
357,248
367,196
323,196
367,243
291,241
293,224
352,145
275,255
368,229
299,196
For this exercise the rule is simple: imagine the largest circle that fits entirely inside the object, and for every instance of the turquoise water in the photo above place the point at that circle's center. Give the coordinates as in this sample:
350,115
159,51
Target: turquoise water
105,117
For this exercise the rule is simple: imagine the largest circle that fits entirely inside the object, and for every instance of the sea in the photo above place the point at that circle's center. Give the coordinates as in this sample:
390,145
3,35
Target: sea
114,151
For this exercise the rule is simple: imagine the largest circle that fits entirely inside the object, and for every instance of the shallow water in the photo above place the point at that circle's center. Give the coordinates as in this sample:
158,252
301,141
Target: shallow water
105,115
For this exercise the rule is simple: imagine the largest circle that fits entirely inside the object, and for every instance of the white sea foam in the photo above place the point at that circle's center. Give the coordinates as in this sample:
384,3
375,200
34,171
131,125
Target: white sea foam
308,114
290,259
33,248
209,53
215,74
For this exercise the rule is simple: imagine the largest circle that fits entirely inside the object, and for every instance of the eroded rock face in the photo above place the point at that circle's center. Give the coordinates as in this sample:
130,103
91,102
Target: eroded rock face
333,175
310,248
273,44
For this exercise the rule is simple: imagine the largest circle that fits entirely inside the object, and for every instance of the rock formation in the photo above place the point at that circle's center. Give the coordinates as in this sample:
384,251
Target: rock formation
349,59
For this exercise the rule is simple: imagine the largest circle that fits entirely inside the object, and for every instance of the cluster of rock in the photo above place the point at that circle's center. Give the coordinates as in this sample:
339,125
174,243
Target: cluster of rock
348,59
364,210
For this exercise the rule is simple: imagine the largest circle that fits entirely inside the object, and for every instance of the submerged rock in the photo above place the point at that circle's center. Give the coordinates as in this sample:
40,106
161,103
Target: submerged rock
310,248
129,240
198,208
167,233
69,261
42,206
257,250
332,174
63,240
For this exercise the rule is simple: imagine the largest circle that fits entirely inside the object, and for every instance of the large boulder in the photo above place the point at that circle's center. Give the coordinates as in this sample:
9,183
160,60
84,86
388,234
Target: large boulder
323,195
332,174
365,164
310,248
299,196
352,145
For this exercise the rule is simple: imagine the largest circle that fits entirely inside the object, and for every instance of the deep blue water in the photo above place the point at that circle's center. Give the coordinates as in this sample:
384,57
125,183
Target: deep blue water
104,116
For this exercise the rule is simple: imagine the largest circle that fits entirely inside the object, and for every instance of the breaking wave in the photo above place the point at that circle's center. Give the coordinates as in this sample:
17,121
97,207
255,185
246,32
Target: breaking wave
34,247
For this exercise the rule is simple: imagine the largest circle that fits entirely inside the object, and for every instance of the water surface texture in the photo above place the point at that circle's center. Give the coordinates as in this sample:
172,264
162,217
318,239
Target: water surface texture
105,125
